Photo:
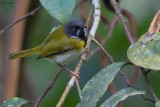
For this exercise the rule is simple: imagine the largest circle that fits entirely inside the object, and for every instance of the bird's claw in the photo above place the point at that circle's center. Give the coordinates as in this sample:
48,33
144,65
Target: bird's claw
75,74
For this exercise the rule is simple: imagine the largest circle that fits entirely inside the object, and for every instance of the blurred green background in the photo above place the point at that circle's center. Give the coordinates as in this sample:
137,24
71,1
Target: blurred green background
36,74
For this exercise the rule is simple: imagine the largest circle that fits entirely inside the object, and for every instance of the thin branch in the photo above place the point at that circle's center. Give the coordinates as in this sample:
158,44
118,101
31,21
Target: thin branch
93,30
149,86
120,16
50,85
22,18
125,78
132,22
65,93
78,88
133,30
104,51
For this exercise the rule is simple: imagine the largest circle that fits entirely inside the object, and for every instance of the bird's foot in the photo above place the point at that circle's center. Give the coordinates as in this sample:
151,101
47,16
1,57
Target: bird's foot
75,74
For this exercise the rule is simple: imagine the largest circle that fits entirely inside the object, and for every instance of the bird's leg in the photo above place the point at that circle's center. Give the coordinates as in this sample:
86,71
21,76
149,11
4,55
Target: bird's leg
72,73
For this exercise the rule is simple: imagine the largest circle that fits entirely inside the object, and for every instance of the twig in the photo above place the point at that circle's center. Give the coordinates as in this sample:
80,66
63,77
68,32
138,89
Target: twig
132,22
65,93
133,30
22,18
104,51
50,85
93,30
117,10
78,88
149,86
125,78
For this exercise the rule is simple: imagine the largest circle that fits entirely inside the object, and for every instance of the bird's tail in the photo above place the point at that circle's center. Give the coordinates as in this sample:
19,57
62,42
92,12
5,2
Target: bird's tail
24,53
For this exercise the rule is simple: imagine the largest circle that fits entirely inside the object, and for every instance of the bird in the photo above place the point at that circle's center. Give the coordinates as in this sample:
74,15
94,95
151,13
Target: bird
61,46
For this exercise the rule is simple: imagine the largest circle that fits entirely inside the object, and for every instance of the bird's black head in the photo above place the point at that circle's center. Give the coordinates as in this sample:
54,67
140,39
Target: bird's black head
76,29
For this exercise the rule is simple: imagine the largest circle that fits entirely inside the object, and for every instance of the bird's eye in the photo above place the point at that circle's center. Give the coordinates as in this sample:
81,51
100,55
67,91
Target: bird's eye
73,28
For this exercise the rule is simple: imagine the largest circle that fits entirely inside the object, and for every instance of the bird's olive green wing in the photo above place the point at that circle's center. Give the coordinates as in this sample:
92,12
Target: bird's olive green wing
57,34
53,47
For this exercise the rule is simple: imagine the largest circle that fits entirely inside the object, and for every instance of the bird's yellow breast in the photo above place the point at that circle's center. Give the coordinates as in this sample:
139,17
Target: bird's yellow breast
78,44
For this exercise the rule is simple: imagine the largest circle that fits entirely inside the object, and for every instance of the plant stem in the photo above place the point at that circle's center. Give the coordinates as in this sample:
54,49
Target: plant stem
120,16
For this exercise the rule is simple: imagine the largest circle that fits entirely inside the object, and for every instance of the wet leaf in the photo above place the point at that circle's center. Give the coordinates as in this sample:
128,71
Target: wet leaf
14,102
146,51
97,85
120,96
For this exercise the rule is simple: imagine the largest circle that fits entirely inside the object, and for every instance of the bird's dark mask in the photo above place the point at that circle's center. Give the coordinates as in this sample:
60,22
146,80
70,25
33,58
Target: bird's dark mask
76,29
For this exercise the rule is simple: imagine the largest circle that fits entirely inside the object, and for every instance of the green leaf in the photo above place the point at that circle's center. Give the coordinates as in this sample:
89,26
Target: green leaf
97,85
14,102
59,9
120,96
146,51
158,104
